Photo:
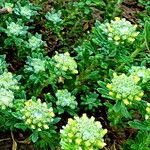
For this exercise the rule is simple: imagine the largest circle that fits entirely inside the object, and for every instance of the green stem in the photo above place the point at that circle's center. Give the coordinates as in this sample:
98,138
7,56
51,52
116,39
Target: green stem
134,54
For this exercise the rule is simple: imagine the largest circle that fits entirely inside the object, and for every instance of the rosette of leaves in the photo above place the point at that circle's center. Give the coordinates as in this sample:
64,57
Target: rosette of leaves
125,88
65,63
37,115
142,72
35,42
7,81
82,133
15,28
120,31
6,98
25,11
54,17
8,84
35,65
65,101
90,101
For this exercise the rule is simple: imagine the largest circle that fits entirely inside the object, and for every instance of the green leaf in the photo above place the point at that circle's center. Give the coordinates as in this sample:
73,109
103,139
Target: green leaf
20,126
101,84
140,125
34,137
102,91
121,108
147,34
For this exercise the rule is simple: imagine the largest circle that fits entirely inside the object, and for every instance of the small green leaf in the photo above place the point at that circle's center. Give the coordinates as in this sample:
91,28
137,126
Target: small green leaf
34,137
140,125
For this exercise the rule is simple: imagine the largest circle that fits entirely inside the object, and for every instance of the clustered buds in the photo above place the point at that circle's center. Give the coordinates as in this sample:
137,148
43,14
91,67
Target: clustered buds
147,116
8,82
54,17
16,29
35,65
120,31
7,85
82,134
65,63
35,42
37,115
142,72
125,88
64,98
6,98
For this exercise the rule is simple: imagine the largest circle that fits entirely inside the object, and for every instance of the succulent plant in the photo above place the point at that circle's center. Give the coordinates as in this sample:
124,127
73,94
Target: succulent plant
82,134
65,63
120,31
142,72
16,29
35,42
35,65
54,17
65,99
6,98
37,115
8,82
125,88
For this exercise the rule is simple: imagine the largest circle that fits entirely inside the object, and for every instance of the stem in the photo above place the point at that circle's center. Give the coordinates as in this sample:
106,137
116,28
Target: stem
7,139
134,54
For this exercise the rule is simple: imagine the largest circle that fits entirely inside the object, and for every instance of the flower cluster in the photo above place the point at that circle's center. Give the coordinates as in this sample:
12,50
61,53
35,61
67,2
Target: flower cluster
120,31
54,17
7,85
25,11
8,82
147,116
65,63
6,98
16,29
64,98
37,115
125,88
35,65
141,72
82,134
35,42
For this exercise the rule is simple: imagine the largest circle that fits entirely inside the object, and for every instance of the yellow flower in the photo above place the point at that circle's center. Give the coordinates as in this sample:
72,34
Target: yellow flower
126,102
116,38
117,18
109,86
78,141
148,109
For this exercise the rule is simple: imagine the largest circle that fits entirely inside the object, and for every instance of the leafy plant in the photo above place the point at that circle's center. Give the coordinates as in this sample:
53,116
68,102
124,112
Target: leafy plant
82,133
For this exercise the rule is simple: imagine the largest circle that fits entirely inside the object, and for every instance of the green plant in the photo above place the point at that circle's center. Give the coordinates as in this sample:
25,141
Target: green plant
91,101
65,101
63,58
125,88
37,115
82,133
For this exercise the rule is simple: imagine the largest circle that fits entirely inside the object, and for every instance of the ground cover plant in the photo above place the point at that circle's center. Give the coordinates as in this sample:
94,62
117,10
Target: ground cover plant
75,75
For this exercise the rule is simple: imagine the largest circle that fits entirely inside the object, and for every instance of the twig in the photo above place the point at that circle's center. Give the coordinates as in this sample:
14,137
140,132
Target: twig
14,145
1,140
